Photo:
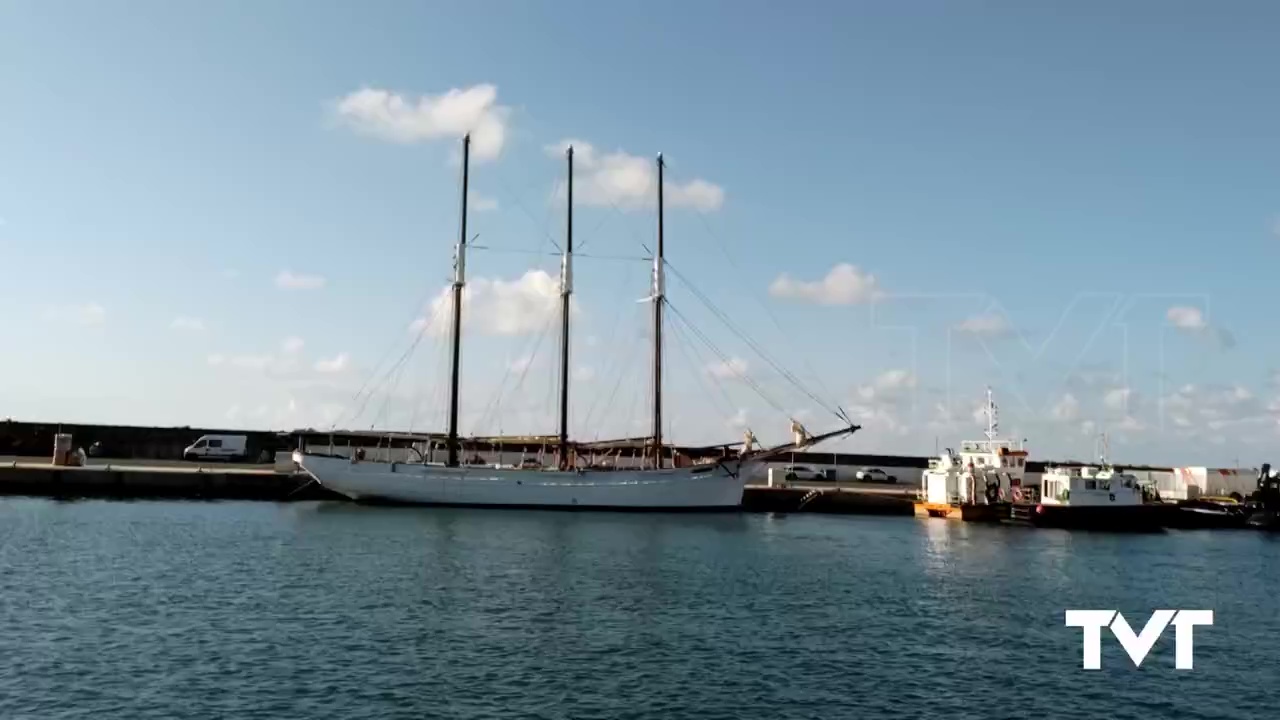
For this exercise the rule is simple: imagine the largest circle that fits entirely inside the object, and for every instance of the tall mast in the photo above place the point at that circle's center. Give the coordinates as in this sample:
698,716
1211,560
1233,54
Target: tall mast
459,280
658,289
993,425
566,289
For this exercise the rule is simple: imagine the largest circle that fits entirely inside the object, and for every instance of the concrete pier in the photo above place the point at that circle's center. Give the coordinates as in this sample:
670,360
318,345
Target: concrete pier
178,481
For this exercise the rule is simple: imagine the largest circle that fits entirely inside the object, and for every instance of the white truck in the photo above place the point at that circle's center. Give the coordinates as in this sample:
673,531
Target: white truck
217,447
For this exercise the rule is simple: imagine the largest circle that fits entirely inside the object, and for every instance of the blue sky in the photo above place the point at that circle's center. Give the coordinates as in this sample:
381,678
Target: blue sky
231,214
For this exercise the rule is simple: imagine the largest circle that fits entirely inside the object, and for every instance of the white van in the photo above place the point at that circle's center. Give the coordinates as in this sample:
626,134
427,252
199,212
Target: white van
216,447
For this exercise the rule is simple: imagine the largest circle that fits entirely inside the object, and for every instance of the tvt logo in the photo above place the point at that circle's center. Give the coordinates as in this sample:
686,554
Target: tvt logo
1092,621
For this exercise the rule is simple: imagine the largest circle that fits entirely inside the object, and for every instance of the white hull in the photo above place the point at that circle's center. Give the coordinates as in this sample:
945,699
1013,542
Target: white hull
701,487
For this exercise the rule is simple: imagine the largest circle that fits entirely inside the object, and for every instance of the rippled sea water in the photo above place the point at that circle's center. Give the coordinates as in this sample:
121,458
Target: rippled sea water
240,610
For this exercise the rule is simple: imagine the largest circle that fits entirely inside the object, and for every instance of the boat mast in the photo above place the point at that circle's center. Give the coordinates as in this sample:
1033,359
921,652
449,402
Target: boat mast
993,427
459,280
658,289
566,289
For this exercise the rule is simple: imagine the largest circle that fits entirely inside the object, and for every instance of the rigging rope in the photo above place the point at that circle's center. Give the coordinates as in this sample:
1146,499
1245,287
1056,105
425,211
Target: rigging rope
678,331
494,404
577,255
374,370
404,356
720,244
752,344
725,358
520,204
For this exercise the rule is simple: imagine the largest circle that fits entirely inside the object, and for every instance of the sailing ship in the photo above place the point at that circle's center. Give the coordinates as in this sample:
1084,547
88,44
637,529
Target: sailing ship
978,483
656,485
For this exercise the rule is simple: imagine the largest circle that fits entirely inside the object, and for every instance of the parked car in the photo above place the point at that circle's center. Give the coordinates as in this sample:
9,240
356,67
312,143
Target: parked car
802,472
874,475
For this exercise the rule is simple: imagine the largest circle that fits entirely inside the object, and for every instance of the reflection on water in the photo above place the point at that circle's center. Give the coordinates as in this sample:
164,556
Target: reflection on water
159,610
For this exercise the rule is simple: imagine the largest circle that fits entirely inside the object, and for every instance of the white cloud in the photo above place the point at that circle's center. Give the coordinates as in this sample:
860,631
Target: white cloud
282,363
335,364
90,314
396,118
985,325
1194,408
289,280
499,307
949,417
1067,409
1118,398
250,362
1192,320
421,324
584,374
630,182
1186,318
885,405
1093,379
739,419
1088,427
1130,424
879,418
734,367
188,324
845,284
292,344
520,364
888,384
481,203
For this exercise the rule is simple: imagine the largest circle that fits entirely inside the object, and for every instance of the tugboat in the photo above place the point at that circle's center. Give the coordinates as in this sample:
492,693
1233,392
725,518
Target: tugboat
1088,498
977,484
1266,501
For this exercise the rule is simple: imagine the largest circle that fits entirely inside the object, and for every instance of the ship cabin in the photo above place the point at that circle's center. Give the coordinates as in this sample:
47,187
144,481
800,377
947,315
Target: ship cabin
964,477
1089,486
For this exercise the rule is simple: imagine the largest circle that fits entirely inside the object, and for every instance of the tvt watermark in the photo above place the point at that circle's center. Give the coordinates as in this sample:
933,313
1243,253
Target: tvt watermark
1092,621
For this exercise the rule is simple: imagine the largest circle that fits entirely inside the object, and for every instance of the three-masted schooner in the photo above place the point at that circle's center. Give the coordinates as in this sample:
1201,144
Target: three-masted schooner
711,486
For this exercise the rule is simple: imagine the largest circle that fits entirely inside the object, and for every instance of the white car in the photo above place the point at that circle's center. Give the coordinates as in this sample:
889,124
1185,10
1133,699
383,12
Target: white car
802,472
875,475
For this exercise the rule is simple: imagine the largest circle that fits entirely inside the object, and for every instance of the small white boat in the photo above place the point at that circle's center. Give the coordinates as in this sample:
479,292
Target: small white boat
1092,498
657,486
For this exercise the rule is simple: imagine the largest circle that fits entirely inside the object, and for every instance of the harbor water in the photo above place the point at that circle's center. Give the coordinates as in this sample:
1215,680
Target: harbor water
329,610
